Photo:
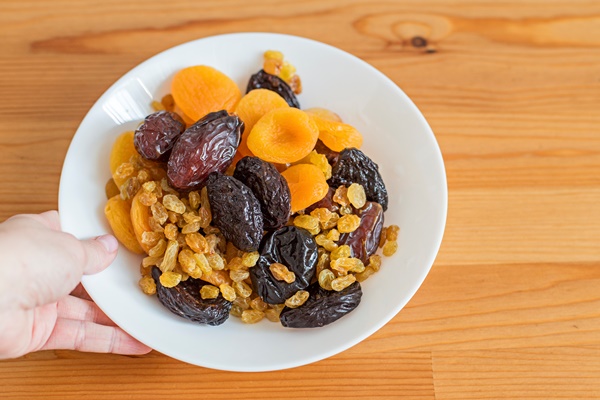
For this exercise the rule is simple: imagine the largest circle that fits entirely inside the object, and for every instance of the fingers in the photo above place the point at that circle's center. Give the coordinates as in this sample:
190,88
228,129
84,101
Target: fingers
70,307
51,220
90,337
98,253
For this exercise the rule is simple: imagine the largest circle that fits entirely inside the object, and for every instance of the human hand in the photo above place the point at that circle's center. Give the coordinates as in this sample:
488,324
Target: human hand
39,267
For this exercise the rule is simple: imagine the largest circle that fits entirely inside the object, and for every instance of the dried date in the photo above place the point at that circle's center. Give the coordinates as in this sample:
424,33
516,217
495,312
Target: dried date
155,138
207,146
297,250
322,307
364,240
269,187
263,80
353,166
235,211
185,301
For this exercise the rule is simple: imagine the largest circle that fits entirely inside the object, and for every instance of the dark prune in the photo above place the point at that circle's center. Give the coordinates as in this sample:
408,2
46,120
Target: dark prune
185,301
207,146
353,166
155,138
235,211
297,250
364,240
263,80
269,187
322,307
326,202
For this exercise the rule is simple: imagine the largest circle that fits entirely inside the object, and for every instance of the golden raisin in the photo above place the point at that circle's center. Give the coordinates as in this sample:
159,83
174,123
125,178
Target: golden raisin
159,249
258,304
227,291
187,261
239,275
334,235
215,261
272,314
328,244
170,258
341,283
197,242
392,232
363,276
389,248
325,279
348,223
170,279
147,285
203,263
171,232
341,196
250,259
282,273
242,289
172,203
209,292
252,316
356,195
159,213
307,222
297,299
341,251
375,262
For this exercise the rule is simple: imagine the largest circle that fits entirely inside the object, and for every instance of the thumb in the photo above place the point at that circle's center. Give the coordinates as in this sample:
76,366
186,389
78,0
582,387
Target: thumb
98,253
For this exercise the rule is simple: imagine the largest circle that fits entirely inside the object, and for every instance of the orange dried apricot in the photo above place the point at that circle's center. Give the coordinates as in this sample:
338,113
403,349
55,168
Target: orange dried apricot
139,217
307,185
252,107
117,214
323,113
337,135
201,89
122,150
283,135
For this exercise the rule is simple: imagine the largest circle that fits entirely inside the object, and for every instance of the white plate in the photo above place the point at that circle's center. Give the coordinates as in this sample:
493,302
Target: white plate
397,137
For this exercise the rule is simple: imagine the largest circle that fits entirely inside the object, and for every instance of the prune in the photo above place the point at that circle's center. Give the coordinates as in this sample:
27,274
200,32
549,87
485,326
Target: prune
235,211
297,250
155,138
269,187
322,307
364,240
185,301
207,146
353,166
326,202
263,80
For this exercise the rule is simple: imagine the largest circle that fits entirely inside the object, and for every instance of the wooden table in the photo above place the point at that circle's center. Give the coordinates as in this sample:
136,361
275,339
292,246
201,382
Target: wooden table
511,308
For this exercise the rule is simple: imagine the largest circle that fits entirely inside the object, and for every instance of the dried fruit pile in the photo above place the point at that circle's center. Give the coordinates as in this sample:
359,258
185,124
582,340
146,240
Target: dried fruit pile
247,205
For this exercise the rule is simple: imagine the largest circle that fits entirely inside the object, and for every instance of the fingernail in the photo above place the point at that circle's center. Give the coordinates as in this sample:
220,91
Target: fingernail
109,242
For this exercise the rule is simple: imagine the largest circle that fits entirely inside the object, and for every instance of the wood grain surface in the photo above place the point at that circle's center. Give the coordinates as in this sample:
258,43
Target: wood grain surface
511,308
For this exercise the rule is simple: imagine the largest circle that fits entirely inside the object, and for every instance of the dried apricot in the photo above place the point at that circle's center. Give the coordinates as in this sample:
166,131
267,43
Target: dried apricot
252,107
117,213
122,150
337,135
201,89
307,185
323,113
140,215
283,135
